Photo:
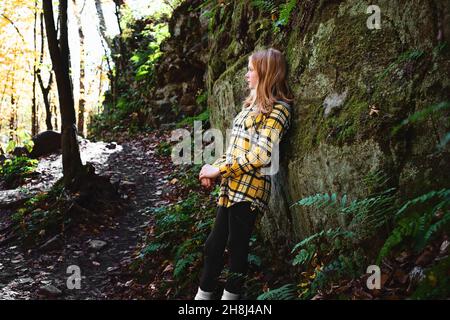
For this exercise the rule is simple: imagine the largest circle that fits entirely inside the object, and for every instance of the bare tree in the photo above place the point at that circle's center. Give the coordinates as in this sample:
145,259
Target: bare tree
34,118
59,52
107,47
45,89
82,100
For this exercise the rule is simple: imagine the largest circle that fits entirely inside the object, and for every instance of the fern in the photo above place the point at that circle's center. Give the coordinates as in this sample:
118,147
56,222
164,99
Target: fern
285,13
183,263
418,224
320,200
265,5
422,115
434,228
286,292
443,193
444,141
254,259
304,256
331,252
152,248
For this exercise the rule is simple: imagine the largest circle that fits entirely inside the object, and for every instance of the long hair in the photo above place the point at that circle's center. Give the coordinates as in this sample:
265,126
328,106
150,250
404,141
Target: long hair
271,68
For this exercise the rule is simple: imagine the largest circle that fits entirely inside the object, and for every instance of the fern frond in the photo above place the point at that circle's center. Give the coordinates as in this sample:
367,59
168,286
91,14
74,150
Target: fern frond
444,141
183,263
285,12
320,200
265,5
422,115
443,193
407,227
286,292
437,226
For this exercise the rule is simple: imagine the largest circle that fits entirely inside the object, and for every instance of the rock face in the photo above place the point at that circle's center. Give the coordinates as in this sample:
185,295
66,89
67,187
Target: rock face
340,71
180,74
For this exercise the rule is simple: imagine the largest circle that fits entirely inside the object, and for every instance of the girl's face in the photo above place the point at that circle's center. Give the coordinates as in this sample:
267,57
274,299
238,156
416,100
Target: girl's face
251,76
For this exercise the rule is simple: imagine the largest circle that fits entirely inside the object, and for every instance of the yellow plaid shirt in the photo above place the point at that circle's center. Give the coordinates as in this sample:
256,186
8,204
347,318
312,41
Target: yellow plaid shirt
252,140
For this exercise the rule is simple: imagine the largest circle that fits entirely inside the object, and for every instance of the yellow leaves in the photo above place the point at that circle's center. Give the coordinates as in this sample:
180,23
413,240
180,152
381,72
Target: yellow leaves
303,284
432,278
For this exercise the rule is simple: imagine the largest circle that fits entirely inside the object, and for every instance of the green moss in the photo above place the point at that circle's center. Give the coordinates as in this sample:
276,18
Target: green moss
341,128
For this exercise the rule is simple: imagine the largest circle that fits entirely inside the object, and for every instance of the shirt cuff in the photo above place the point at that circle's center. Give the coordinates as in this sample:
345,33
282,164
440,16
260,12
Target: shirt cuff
225,170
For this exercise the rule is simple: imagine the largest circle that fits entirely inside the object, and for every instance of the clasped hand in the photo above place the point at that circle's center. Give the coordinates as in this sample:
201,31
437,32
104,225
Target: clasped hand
208,175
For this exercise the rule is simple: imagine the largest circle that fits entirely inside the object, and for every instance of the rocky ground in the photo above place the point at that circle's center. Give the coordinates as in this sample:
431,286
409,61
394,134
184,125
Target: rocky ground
100,254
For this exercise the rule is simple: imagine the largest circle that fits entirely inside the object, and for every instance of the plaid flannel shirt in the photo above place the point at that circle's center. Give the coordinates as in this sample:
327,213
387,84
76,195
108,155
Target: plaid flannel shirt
252,140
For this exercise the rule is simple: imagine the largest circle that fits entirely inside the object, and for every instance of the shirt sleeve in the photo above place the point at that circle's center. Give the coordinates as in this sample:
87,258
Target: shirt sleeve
219,161
273,128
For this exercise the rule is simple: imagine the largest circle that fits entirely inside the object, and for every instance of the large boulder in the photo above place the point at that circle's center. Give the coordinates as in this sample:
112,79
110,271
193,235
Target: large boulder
352,85
45,143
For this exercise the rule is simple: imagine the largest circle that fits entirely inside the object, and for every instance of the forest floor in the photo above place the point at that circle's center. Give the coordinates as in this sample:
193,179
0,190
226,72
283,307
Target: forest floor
105,253
100,253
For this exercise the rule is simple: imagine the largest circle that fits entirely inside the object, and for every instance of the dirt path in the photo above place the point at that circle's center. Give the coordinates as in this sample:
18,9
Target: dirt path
42,273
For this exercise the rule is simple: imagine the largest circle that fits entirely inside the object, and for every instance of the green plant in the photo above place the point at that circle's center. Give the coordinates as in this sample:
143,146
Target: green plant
189,121
17,168
330,254
418,220
436,284
422,115
283,11
22,138
180,231
164,148
201,98
286,292
265,5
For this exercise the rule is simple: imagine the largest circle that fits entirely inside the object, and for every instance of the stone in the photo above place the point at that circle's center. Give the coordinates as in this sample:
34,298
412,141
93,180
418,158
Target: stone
111,145
45,143
50,291
333,101
417,274
97,245
127,184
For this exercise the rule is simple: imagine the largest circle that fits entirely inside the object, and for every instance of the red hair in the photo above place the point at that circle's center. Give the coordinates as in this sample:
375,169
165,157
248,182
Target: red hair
271,68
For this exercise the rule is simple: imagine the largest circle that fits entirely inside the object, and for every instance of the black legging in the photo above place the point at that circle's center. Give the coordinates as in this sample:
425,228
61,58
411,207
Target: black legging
234,224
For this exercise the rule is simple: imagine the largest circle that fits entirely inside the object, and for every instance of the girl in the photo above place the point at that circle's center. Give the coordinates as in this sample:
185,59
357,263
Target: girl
245,189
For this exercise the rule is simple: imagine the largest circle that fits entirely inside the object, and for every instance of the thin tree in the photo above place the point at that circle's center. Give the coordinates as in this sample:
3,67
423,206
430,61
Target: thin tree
45,89
59,53
34,119
82,99
107,47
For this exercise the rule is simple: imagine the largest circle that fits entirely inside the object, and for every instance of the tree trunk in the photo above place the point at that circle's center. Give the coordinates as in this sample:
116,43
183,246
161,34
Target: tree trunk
45,89
82,100
34,120
105,40
59,52
13,114
121,59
